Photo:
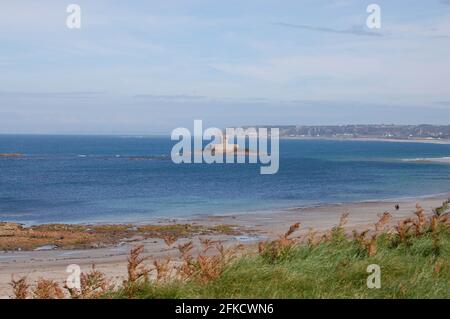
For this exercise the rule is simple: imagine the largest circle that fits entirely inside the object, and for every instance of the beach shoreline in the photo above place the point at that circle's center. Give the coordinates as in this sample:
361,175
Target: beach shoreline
253,228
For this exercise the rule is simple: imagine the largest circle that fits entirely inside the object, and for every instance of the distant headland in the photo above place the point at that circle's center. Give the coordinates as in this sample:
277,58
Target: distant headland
385,132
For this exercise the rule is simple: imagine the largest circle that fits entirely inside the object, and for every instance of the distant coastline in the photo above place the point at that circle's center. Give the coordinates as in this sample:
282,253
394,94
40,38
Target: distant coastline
368,139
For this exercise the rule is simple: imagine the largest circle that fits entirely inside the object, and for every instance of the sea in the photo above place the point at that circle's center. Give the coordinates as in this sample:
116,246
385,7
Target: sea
122,179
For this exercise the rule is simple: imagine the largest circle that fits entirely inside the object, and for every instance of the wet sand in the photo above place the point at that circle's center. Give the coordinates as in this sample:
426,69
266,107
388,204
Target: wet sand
255,227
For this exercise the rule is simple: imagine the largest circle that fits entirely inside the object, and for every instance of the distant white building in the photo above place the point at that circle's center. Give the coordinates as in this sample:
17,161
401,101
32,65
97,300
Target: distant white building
225,147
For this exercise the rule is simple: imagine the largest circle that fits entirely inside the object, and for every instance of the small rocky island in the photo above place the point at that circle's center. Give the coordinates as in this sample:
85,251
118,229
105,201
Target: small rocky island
11,155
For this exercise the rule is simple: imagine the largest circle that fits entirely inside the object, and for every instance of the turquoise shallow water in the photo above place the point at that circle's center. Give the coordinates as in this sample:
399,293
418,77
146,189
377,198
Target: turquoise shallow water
127,179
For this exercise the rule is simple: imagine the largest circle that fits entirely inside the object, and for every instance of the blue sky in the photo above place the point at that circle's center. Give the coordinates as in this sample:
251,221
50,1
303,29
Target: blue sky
145,67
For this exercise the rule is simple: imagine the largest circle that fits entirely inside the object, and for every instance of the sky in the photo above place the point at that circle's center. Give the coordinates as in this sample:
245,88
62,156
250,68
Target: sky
148,67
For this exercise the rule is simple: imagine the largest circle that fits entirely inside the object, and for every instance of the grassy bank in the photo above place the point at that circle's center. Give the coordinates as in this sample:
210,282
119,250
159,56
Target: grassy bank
414,258
335,269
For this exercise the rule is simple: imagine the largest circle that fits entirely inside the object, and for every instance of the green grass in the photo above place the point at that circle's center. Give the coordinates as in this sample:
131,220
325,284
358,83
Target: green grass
332,269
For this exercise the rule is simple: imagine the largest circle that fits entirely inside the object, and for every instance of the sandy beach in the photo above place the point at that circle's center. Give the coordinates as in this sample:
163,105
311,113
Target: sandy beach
254,227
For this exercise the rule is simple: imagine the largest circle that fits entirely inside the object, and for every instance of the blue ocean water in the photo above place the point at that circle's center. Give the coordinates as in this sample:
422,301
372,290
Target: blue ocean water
129,179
